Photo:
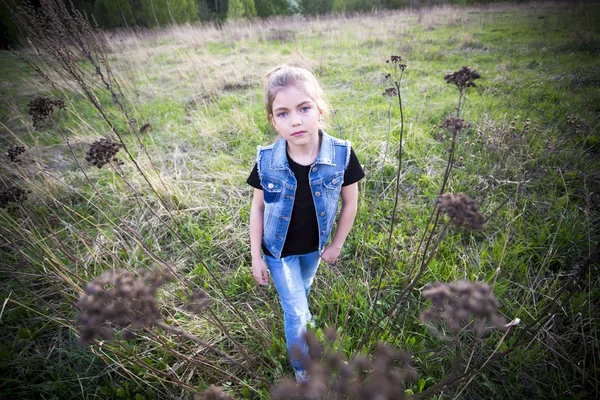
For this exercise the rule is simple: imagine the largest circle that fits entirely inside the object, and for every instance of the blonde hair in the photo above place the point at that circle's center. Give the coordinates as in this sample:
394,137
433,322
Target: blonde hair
286,75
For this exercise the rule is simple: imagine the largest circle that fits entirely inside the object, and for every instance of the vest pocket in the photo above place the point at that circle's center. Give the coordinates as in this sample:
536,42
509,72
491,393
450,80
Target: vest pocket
271,190
333,185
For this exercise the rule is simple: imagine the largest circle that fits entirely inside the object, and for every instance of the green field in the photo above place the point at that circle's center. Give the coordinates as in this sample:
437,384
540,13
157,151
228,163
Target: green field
175,198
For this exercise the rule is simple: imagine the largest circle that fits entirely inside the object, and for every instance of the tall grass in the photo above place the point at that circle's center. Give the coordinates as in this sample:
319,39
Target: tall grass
183,108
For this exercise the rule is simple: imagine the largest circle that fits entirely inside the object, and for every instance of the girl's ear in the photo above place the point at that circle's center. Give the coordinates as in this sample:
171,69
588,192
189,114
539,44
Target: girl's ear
271,120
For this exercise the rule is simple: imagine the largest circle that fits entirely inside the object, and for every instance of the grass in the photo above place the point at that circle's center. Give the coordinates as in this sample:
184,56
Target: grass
530,159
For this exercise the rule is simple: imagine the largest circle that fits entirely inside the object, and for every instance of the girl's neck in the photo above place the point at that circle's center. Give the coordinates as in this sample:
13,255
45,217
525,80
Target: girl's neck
305,154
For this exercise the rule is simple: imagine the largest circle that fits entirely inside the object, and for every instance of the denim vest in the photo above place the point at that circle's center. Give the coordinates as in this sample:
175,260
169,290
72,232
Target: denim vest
279,188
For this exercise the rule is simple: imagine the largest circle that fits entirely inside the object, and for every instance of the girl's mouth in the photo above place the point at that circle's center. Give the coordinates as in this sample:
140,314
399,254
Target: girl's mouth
298,133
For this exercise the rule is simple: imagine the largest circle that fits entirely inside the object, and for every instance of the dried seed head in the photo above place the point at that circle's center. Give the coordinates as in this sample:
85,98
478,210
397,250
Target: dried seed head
12,194
454,124
103,151
286,389
198,300
14,152
463,78
397,62
120,299
381,376
461,210
42,108
390,92
147,127
215,393
459,303
331,334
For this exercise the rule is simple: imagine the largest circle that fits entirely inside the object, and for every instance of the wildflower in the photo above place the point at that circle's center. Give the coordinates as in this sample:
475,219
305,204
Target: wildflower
462,302
103,151
42,108
12,194
14,152
462,211
120,299
463,78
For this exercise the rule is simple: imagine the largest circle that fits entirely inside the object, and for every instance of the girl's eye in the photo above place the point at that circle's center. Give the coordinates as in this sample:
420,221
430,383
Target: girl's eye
281,114
305,109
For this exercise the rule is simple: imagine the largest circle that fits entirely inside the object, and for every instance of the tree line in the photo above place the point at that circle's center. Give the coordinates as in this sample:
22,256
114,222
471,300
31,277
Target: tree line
110,14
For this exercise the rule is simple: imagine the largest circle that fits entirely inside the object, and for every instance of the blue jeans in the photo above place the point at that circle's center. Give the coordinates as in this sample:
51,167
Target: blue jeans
293,277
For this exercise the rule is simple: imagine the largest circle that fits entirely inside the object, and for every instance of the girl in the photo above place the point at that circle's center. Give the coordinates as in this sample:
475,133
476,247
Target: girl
298,181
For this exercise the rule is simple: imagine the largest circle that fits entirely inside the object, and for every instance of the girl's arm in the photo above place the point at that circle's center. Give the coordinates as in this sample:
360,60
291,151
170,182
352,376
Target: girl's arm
346,219
257,214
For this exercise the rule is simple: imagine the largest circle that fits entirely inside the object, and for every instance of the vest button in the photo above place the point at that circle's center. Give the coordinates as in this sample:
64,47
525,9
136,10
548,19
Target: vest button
317,194
323,232
270,186
314,169
334,181
322,213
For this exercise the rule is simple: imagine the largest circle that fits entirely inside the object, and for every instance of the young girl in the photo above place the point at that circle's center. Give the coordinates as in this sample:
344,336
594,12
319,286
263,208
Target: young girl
298,181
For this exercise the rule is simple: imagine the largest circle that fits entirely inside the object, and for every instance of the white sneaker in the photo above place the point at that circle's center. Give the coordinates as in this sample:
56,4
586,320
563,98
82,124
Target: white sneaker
301,376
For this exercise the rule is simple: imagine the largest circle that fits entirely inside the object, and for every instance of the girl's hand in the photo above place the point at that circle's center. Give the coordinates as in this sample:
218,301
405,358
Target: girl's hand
260,271
330,254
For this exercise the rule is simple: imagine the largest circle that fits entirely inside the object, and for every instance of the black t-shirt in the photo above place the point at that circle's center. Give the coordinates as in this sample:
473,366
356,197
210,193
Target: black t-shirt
303,233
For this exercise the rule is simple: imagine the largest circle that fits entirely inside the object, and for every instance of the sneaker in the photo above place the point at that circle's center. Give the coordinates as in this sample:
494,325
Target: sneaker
301,376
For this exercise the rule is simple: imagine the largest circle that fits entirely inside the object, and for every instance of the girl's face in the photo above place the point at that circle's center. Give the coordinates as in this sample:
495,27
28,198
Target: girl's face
296,116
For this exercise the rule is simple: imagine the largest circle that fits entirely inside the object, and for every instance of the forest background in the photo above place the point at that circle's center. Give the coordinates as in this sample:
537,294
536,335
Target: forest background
157,13
125,263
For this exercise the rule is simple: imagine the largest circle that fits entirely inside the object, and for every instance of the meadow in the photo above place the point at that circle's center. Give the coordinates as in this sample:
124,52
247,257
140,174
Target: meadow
129,171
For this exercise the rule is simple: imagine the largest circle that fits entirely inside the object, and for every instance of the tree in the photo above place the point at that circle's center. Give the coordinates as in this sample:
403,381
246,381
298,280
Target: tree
267,8
241,9
144,13
339,6
314,7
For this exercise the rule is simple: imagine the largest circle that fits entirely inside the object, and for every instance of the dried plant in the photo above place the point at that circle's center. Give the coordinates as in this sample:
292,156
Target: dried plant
395,76
147,127
120,299
12,194
396,61
461,210
42,108
68,44
214,393
454,125
390,92
463,78
381,376
198,301
102,152
460,303
14,153
126,300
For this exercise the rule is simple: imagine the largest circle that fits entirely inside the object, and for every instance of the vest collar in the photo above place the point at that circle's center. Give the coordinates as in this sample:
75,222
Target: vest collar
326,152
